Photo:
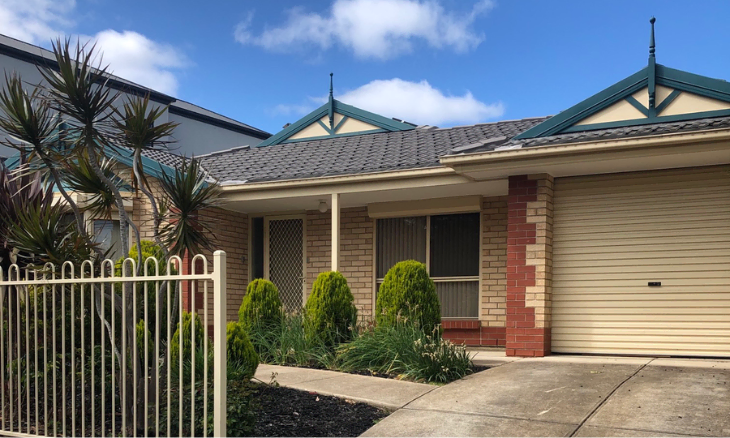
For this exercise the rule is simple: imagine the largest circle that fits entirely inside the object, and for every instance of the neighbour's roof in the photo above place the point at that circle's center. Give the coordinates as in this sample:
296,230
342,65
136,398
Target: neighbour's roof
38,55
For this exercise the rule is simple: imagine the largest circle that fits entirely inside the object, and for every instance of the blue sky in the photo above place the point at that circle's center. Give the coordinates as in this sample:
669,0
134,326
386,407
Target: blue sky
442,62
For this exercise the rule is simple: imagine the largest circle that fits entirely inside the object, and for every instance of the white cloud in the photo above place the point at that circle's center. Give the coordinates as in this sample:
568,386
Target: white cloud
421,103
129,54
378,29
135,57
35,21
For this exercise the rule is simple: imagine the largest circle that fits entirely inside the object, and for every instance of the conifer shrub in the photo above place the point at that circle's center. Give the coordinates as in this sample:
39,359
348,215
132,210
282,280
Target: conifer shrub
408,295
330,310
187,330
242,357
260,306
150,250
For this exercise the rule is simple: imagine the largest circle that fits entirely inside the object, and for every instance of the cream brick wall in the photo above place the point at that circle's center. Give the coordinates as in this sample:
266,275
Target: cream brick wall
540,213
230,235
493,307
356,252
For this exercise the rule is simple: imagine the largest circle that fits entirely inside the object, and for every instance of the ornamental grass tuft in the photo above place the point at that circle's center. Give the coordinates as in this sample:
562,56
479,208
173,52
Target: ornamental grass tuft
405,351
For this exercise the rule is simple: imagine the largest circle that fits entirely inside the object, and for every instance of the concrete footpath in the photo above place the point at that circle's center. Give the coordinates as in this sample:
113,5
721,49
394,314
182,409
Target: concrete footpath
385,393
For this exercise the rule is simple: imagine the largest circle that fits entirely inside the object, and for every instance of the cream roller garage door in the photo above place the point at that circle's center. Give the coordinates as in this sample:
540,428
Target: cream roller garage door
614,234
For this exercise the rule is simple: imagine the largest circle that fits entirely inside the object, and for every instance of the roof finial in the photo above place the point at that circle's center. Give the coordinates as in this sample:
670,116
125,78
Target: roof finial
331,111
652,46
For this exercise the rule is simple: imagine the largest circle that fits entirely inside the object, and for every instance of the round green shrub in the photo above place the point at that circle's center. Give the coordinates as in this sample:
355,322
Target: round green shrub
330,311
408,295
261,305
149,250
242,357
141,331
187,335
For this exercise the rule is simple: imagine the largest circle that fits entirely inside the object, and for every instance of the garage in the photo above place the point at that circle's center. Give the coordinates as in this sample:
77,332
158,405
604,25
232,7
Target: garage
641,263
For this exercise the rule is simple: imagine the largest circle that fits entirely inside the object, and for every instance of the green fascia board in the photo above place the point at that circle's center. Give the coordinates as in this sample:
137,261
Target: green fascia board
296,126
151,167
648,121
588,107
372,118
324,137
669,77
381,122
692,83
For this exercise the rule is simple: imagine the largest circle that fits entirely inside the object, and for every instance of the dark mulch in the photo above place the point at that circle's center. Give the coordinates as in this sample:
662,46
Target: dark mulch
474,369
289,412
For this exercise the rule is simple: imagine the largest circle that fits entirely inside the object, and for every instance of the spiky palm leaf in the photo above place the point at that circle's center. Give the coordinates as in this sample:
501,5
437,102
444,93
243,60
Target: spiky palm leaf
79,91
187,194
27,118
138,132
81,178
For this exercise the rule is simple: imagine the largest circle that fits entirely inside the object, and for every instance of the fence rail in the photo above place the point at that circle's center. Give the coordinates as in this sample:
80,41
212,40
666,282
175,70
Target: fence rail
106,349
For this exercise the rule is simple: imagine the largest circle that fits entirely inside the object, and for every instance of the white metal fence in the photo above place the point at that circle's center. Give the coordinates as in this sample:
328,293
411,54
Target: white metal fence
92,350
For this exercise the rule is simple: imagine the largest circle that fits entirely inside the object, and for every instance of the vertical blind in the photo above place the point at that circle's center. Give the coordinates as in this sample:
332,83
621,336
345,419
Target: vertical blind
455,245
399,239
454,256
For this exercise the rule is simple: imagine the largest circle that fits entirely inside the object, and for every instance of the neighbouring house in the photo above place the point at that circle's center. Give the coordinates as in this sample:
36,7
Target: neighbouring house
604,229
199,130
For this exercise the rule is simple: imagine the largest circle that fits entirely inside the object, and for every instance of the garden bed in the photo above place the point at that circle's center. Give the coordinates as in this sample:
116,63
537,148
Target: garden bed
283,411
474,369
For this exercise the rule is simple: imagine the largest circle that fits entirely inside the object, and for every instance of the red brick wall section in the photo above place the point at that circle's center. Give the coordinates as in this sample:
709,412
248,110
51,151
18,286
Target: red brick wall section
529,250
472,333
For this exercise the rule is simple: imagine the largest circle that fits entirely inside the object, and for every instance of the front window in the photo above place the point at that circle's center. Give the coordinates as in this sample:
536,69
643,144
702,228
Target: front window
107,234
448,245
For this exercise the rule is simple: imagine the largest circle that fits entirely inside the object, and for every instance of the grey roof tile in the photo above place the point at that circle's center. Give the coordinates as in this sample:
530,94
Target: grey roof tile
418,148
413,149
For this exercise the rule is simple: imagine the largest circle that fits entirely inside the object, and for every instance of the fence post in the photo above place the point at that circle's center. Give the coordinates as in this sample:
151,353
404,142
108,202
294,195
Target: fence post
220,378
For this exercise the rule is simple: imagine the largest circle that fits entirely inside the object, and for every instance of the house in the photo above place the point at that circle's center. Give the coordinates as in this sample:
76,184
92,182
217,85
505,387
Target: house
199,130
604,229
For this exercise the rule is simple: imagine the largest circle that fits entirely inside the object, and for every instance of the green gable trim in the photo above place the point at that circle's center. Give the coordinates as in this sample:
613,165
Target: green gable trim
324,137
383,123
678,80
647,121
636,104
339,125
667,100
588,107
692,83
326,128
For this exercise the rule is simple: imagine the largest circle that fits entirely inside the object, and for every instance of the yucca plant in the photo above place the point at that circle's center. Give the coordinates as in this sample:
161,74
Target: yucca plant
67,129
34,131
187,193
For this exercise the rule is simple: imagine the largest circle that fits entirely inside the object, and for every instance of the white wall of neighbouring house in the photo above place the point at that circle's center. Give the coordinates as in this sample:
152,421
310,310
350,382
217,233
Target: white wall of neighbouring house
191,137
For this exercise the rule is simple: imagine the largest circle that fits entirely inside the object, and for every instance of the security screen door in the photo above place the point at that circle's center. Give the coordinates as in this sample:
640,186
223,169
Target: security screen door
285,259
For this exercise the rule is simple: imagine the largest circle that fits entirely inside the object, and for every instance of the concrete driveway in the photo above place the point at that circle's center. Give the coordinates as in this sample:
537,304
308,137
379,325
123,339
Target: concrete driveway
575,396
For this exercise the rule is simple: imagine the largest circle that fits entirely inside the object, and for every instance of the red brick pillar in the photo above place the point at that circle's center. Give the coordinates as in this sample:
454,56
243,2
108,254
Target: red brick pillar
529,265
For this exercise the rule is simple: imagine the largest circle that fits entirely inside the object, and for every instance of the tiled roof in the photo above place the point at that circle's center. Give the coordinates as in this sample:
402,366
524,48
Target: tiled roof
628,131
417,148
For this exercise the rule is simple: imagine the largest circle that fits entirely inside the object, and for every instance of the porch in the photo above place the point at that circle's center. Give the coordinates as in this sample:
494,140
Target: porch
362,229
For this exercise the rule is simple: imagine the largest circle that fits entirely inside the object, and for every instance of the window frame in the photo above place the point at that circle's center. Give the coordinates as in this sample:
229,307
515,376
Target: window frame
89,219
475,278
